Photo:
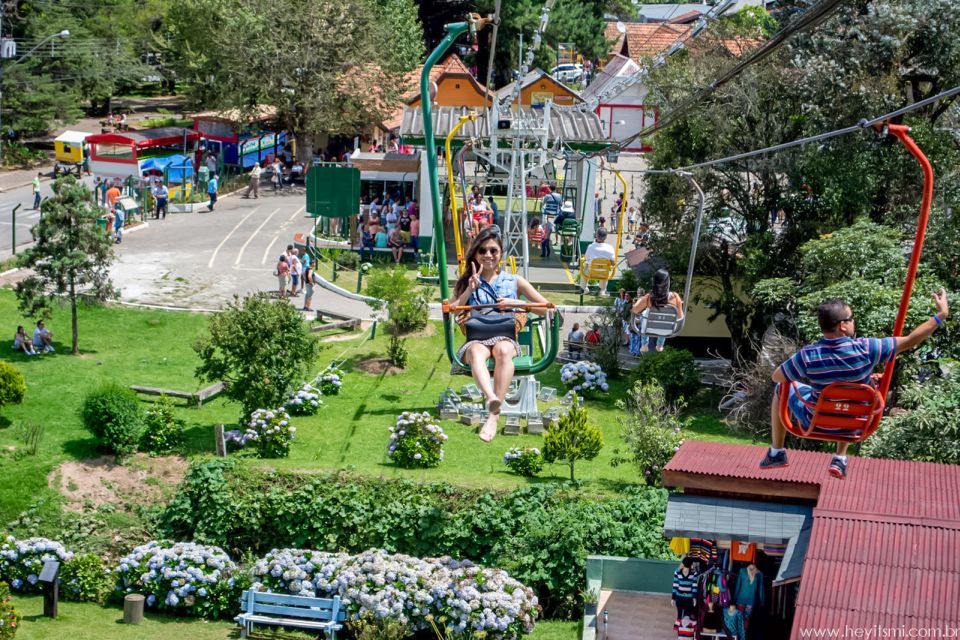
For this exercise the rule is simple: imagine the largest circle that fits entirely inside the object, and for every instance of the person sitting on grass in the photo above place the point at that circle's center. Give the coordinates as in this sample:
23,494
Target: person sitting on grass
22,343
576,338
658,298
483,283
837,357
43,338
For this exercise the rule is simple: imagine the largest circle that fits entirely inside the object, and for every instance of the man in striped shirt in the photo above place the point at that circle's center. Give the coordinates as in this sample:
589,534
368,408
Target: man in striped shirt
837,357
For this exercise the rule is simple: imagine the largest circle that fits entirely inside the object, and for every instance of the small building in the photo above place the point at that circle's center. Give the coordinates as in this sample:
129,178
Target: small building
122,154
240,139
877,550
622,112
538,87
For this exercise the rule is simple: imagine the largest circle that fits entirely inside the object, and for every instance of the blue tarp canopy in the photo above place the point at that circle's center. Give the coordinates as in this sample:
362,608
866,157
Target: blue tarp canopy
180,167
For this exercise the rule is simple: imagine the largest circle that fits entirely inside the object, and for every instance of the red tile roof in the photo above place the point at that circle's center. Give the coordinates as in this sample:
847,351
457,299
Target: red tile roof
610,32
884,545
650,38
685,18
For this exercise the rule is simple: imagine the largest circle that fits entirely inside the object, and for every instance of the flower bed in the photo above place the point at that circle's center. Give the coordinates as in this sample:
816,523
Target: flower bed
270,431
183,577
305,402
416,441
330,382
22,560
9,616
584,377
461,598
527,461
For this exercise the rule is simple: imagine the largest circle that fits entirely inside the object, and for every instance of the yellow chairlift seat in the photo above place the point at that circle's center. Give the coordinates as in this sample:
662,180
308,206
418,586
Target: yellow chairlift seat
598,269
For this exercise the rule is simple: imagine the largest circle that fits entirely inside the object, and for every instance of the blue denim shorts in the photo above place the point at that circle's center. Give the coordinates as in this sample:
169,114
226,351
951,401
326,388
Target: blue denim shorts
800,411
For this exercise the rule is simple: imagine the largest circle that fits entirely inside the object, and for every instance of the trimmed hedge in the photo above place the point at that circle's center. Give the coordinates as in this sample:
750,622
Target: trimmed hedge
540,534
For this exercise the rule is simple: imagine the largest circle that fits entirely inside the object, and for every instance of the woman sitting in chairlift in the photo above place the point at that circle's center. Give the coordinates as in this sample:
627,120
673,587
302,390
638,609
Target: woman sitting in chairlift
482,282
659,297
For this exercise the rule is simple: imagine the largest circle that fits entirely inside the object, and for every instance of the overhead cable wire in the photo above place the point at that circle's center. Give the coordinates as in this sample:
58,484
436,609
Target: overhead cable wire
860,126
809,19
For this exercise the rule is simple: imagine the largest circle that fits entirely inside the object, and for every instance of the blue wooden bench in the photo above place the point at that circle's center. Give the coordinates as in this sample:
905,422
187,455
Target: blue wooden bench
260,607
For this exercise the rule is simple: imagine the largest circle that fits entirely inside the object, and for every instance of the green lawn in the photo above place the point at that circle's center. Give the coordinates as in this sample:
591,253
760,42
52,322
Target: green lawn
132,346
86,621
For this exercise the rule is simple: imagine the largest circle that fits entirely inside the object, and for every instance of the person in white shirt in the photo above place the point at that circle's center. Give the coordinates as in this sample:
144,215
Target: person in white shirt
254,186
597,249
42,338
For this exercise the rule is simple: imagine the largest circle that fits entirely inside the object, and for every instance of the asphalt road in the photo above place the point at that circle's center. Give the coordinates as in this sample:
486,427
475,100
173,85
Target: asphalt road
26,215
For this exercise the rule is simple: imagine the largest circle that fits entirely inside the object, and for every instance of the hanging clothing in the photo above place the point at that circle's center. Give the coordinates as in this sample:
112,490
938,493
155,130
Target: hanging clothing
712,620
713,588
704,550
734,624
746,593
685,628
684,586
680,546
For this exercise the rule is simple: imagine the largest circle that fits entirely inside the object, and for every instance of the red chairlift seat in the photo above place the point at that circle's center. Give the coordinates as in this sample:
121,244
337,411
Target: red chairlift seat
844,412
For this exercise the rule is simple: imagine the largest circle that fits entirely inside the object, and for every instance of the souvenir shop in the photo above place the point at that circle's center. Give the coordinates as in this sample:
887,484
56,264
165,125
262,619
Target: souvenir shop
739,565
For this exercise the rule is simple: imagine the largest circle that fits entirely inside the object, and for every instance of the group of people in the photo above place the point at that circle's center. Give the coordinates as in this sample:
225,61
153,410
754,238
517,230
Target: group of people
295,276
389,223
42,340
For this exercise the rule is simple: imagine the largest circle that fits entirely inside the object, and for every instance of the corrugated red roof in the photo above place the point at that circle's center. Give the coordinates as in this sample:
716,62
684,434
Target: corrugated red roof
885,544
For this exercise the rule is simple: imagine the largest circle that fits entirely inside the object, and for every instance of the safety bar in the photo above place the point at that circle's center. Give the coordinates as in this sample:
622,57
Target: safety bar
447,307
550,350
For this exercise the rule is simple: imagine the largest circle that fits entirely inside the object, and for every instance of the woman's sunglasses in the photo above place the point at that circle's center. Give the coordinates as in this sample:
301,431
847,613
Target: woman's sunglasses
483,251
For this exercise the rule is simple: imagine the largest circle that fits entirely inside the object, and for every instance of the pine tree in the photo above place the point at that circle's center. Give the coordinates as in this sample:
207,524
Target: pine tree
71,255
572,438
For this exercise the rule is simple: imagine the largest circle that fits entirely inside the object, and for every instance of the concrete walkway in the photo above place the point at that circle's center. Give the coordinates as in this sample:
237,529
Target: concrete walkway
636,616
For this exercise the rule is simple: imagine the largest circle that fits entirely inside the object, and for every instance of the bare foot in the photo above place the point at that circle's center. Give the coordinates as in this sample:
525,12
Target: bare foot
489,429
493,406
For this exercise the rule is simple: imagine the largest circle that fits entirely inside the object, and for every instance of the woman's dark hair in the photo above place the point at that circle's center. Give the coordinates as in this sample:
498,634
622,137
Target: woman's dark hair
687,562
535,223
470,260
660,292
19,328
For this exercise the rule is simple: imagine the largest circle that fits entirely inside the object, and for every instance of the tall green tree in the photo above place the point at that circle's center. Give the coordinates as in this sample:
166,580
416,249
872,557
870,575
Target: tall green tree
328,67
572,438
260,348
71,255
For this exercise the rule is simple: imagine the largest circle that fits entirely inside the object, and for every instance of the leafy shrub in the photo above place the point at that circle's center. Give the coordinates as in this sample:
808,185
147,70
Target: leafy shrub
182,577
397,352
464,598
112,414
9,616
650,428
586,378
572,438
163,431
526,462
305,402
416,441
260,347
929,428
12,385
84,579
541,534
348,259
372,628
22,560
271,432
406,302
16,154
330,381
674,369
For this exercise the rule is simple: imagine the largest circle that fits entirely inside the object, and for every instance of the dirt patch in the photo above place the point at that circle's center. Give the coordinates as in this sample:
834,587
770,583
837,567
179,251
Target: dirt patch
377,367
143,480
427,332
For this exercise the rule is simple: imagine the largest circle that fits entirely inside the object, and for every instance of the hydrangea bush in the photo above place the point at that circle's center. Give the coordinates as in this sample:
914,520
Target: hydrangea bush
305,402
270,431
463,599
584,377
416,441
330,382
182,577
527,461
22,560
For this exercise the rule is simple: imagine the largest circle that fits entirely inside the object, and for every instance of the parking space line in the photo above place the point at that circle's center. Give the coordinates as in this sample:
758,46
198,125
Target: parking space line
227,237
254,235
267,250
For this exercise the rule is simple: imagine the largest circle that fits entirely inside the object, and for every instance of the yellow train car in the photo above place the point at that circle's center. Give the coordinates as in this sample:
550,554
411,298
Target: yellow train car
71,151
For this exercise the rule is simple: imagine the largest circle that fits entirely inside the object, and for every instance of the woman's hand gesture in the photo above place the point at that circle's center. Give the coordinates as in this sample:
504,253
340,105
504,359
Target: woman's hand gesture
475,278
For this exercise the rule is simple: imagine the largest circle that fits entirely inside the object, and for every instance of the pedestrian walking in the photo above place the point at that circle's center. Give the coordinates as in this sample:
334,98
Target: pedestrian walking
212,185
118,223
211,162
254,186
277,177
36,191
160,196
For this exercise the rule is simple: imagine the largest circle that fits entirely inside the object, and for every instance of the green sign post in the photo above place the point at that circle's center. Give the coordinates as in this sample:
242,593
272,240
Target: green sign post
333,191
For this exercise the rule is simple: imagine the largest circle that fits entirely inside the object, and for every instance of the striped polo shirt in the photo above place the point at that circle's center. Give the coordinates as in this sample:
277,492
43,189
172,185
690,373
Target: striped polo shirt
838,360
